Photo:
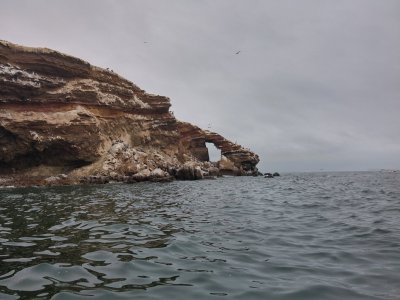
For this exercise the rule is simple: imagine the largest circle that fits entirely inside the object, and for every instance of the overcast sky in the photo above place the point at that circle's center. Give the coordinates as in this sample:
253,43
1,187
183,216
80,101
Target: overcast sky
316,84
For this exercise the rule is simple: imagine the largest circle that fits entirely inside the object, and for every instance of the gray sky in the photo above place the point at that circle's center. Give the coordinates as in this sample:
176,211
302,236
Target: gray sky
315,86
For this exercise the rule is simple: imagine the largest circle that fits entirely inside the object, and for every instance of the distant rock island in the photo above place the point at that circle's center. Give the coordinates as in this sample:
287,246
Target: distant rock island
64,121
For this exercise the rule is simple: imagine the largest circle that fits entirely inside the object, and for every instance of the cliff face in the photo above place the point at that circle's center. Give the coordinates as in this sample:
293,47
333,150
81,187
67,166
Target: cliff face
64,121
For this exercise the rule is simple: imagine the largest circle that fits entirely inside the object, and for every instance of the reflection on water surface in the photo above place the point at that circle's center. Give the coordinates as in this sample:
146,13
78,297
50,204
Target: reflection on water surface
302,236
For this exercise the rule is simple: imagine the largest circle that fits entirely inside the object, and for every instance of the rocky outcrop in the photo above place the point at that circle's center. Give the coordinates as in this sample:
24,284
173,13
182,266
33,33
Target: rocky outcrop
63,120
235,160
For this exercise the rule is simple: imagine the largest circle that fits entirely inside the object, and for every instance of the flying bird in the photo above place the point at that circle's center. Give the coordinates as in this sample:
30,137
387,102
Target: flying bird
238,52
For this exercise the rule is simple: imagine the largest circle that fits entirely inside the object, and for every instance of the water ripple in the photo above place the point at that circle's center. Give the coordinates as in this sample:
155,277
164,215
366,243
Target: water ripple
300,236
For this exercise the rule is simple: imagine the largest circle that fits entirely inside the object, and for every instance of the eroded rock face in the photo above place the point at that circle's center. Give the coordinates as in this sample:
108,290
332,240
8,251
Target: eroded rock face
60,115
235,159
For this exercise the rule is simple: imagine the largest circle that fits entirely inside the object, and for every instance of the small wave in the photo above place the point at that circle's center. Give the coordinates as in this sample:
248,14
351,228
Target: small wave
325,292
302,237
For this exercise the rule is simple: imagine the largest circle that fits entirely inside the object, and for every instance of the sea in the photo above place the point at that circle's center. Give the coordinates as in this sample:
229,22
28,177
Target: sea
297,236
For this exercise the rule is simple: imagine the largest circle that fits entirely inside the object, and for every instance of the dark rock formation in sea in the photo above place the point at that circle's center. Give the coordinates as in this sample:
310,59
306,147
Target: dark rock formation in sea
64,121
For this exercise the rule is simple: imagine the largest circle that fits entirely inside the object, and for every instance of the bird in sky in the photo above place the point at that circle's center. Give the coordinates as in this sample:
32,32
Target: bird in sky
238,52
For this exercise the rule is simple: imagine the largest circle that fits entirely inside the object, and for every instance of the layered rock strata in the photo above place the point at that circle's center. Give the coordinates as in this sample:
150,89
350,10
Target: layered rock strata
63,120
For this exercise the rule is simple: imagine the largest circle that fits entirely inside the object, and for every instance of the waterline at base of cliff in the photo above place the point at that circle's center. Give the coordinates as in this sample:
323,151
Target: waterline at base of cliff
64,121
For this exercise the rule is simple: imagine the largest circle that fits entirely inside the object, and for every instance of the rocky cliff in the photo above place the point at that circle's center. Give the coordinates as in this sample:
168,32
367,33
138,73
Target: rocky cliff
65,121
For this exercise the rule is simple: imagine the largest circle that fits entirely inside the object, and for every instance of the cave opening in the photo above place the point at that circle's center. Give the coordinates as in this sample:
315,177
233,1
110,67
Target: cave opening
213,152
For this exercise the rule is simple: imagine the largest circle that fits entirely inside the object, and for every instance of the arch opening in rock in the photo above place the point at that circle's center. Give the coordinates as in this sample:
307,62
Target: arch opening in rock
213,152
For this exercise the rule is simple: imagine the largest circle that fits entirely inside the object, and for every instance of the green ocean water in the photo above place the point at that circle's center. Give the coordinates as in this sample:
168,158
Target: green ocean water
298,236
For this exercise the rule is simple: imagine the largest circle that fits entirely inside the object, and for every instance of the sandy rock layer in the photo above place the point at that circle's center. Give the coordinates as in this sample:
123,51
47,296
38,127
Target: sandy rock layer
64,121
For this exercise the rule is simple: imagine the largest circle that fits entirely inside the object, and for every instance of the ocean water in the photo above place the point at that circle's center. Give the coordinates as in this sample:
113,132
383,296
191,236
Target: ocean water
298,236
